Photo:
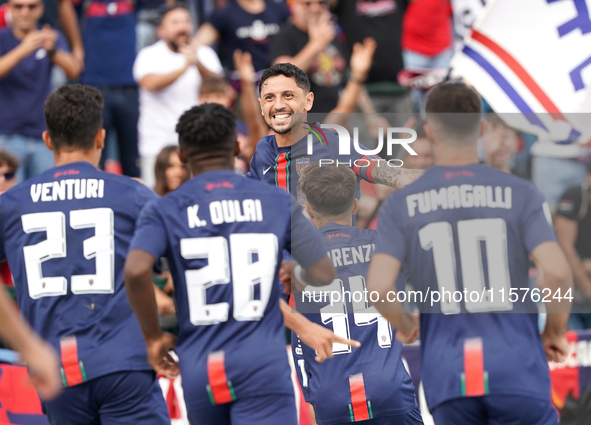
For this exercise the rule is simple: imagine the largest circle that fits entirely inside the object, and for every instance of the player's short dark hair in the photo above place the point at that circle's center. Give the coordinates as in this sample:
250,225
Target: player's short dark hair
329,189
74,115
165,9
207,128
214,85
456,107
8,159
288,70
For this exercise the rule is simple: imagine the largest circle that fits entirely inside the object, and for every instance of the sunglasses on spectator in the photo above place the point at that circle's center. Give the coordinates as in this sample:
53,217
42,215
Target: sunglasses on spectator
29,6
7,176
310,3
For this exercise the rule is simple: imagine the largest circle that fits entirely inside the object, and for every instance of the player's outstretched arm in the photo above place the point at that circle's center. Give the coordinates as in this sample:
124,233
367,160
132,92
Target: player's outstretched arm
140,292
394,177
312,334
39,356
381,278
320,273
556,275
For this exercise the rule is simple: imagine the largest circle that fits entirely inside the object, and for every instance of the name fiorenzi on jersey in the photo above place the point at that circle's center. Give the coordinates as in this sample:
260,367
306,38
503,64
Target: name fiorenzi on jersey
227,211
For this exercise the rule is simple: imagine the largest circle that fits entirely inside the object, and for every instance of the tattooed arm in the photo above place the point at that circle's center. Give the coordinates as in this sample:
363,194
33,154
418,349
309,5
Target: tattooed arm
394,177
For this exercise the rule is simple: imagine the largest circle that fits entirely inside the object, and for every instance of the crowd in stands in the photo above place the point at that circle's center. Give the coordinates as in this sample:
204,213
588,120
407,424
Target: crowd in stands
153,59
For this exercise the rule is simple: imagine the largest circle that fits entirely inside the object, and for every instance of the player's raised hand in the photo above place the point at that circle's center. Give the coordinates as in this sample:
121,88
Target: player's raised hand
411,330
321,339
159,356
556,346
43,366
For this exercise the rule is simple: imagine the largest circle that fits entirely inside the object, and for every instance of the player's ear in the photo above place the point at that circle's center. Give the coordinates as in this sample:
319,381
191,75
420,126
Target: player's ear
309,211
47,140
237,149
355,206
428,132
309,101
99,139
482,128
183,156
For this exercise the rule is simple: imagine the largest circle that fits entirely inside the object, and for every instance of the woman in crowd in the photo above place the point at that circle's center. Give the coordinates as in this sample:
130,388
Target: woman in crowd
169,170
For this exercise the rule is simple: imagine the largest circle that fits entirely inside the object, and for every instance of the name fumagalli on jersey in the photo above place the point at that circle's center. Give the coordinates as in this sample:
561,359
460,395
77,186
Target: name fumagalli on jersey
65,234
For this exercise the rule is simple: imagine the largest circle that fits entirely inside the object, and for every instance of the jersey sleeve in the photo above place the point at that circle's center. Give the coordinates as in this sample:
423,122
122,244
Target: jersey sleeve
305,243
536,220
570,203
150,235
391,231
252,172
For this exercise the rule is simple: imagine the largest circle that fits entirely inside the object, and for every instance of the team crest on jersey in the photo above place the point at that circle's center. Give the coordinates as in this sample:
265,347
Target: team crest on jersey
301,163
383,338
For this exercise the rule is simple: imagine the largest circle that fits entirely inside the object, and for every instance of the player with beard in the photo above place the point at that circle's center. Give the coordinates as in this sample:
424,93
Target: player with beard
285,99
169,74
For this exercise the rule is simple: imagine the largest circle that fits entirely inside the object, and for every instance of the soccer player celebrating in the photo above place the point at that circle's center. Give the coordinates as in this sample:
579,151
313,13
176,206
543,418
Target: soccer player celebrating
285,99
65,234
369,384
466,232
223,235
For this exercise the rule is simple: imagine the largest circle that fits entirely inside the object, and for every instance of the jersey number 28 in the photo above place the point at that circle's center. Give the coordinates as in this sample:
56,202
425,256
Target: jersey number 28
246,274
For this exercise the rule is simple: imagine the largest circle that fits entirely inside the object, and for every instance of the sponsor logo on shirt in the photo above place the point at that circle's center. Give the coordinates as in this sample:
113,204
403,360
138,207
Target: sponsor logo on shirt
566,206
258,31
375,8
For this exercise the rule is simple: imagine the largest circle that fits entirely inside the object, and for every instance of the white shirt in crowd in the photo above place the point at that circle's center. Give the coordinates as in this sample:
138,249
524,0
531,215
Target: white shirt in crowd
160,110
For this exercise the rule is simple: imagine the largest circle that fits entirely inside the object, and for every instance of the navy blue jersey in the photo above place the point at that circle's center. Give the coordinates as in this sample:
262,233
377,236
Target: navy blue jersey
356,384
66,235
472,228
282,166
222,235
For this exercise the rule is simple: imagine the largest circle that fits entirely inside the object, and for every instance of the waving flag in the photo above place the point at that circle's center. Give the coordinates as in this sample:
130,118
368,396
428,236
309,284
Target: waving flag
531,61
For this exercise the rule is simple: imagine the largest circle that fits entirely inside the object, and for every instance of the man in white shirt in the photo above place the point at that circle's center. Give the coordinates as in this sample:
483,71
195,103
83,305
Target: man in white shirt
169,74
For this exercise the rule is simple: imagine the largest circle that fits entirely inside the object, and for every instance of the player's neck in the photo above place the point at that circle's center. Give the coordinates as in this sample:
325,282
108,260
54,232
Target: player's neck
455,157
287,139
343,221
501,167
200,165
64,158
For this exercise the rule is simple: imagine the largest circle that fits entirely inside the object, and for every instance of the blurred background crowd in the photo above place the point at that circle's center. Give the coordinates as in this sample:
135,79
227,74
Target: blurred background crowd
154,59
